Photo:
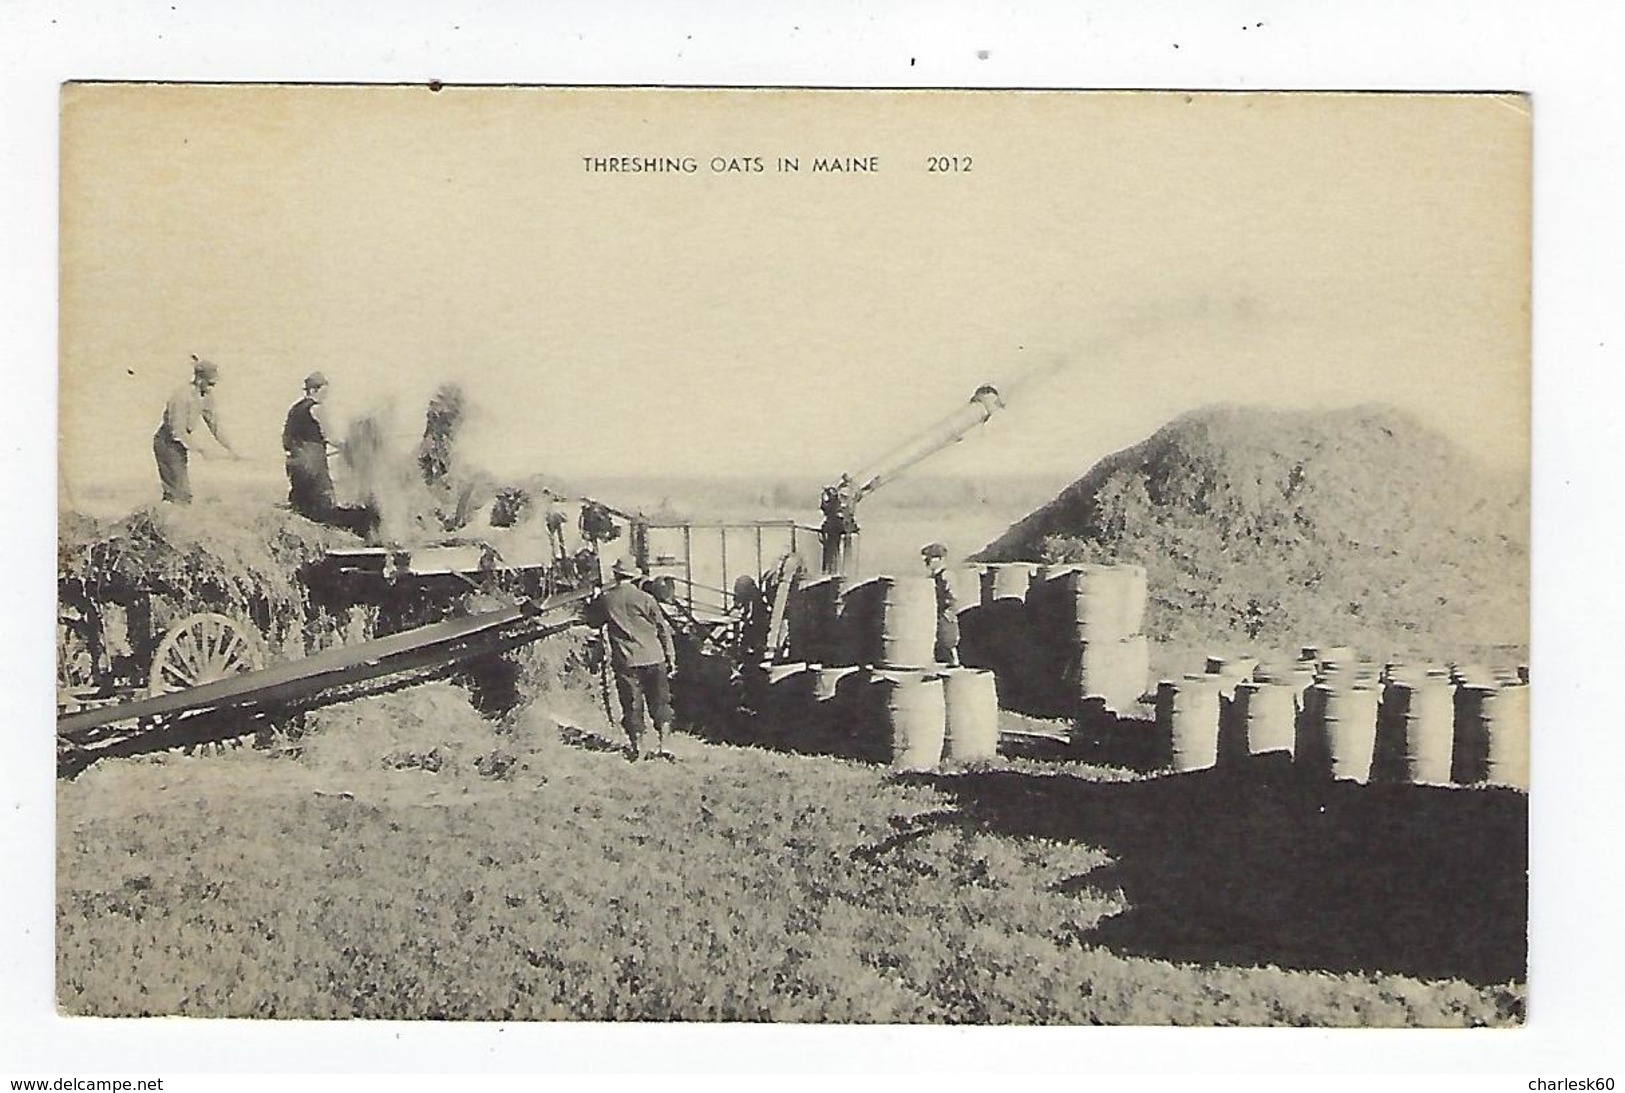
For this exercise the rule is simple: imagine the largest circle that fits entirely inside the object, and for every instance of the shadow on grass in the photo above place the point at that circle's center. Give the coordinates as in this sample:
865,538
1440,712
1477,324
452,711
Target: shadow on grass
721,717
1257,866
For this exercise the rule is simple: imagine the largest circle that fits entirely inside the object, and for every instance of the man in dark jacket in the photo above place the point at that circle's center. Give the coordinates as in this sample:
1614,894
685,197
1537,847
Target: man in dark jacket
947,651
642,655
304,442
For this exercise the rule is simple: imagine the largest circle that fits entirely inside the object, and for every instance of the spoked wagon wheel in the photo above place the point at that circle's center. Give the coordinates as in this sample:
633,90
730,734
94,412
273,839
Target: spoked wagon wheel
201,649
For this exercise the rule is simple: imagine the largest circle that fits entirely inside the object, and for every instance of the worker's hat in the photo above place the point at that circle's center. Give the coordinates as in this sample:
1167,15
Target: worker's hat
933,550
625,568
315,380
205,370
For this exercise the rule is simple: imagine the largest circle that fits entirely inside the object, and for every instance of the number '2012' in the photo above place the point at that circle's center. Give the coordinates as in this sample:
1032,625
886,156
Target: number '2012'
944,164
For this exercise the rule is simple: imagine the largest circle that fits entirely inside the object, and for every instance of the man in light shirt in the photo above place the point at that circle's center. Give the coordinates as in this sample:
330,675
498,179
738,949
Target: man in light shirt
179,432
643,657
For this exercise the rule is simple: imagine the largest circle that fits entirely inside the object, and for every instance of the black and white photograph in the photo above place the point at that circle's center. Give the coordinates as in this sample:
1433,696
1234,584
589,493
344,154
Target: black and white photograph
593,554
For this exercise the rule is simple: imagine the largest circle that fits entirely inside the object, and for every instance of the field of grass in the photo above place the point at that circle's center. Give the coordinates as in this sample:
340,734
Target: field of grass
404,858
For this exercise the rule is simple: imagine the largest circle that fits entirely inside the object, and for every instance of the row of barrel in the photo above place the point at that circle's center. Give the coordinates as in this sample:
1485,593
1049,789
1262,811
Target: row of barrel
1054,636
911,719
1061,636
884,621
1349,719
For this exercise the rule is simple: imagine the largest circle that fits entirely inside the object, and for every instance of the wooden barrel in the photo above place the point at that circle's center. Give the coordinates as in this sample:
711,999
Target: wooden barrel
995,636
1188,719
1344,718
790,699
979,635
1036,675
1131,675
832,708
1506,733
813,618
1040,667
908,622
966,583
1096,603
971,702
855,639
1006,581
1132,597
1267,713
1091,670
1421,715
916,718
1048,600
801,627
1468,758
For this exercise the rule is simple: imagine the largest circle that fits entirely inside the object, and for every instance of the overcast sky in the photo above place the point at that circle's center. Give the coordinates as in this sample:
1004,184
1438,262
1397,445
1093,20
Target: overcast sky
1112,260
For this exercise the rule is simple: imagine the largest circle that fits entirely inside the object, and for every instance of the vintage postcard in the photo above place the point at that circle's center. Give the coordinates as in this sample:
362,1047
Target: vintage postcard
860,557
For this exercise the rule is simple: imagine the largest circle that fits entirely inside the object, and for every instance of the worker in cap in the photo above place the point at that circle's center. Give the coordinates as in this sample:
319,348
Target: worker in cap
642,656
179,432
947,649
305,446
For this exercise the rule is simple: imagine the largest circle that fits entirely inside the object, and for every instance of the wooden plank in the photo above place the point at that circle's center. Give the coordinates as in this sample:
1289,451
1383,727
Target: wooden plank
321,669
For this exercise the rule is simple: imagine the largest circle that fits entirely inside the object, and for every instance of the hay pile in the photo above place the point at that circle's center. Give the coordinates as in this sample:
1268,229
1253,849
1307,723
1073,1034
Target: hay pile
430,728
186,560
437,728
1282,528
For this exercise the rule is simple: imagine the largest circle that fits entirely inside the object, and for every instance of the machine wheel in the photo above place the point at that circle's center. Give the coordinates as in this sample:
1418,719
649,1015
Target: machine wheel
201,649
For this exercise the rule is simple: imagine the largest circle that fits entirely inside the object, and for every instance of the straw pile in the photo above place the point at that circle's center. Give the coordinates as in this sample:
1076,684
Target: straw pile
1293,527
